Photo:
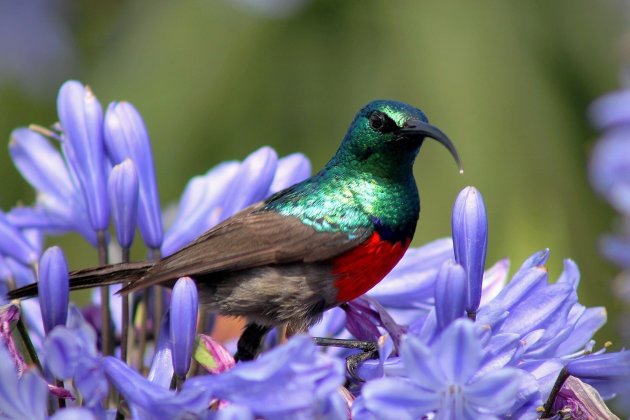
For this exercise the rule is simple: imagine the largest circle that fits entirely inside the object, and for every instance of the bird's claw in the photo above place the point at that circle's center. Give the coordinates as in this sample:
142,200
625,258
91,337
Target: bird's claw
353,361
369,350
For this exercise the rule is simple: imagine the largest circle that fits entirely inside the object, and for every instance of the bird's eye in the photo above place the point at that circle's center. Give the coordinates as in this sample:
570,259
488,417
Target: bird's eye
381,122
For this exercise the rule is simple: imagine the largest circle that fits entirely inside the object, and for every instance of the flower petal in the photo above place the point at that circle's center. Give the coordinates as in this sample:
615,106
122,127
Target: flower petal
420,363
40,163
411,284
161,370
63,351
126,137
252,182
81,117
13,243
399,398
459,352
494,393
291,169
199,206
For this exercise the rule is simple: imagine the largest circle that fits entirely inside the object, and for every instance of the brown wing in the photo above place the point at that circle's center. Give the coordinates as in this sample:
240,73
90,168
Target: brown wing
250,239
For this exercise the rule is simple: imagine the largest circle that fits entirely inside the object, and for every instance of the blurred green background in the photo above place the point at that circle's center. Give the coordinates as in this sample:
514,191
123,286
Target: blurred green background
510,82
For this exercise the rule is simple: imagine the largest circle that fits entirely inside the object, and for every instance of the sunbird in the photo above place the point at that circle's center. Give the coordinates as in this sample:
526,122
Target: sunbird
308,248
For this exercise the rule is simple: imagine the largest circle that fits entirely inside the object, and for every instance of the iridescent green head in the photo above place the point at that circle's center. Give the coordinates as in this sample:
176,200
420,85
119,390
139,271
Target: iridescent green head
386,136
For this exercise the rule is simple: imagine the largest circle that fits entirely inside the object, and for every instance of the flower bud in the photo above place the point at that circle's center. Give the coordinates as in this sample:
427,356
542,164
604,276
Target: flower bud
184,304
212,355
450,294
54,289
81,118
470,240
126,137
123,196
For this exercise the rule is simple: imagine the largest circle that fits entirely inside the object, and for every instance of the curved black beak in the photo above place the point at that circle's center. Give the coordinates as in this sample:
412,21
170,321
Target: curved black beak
421,128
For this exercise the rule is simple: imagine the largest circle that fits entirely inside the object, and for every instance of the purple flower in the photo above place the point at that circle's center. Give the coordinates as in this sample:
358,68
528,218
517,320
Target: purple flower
228,188
123,195
60,206
251,183
450,294
444,378
81,118
126,137
365,315
470,240
70,352
149,400
199,206
291,381
184,303
609,170
604,366
161,370
291,169
409,288
42,28
54,288
21,396
13,243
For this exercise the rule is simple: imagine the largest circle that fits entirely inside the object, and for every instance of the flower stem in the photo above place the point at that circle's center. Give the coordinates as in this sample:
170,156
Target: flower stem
557,386
124,338
179,382
158,300
62,401
28,343
105,315
141,324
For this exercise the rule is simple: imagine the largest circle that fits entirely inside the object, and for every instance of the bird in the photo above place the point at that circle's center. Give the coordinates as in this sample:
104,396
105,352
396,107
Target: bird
308,248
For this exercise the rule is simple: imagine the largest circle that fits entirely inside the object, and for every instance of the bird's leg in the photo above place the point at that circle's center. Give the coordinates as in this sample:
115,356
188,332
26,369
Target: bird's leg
250,342
369,351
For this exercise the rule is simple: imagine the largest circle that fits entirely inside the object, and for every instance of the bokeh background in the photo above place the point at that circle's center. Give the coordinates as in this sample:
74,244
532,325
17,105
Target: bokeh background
509,81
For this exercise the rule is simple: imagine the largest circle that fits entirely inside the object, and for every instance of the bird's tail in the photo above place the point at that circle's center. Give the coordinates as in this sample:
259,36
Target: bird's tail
92,277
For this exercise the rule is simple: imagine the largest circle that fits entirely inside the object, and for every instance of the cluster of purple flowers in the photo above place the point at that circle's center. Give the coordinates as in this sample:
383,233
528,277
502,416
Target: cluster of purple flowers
609,172
455,340
610,175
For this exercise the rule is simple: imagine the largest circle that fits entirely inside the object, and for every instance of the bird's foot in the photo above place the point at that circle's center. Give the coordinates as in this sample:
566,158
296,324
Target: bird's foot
250,342
369,351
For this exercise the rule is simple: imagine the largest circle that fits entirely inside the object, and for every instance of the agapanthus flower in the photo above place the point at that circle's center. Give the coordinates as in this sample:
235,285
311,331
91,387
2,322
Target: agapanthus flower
14,245
184,305
126,137
60,206
609,172
123,195
54,288
444,378
21,396
432,361
529,324
70,353
228,188
81,118
289,381
470,238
